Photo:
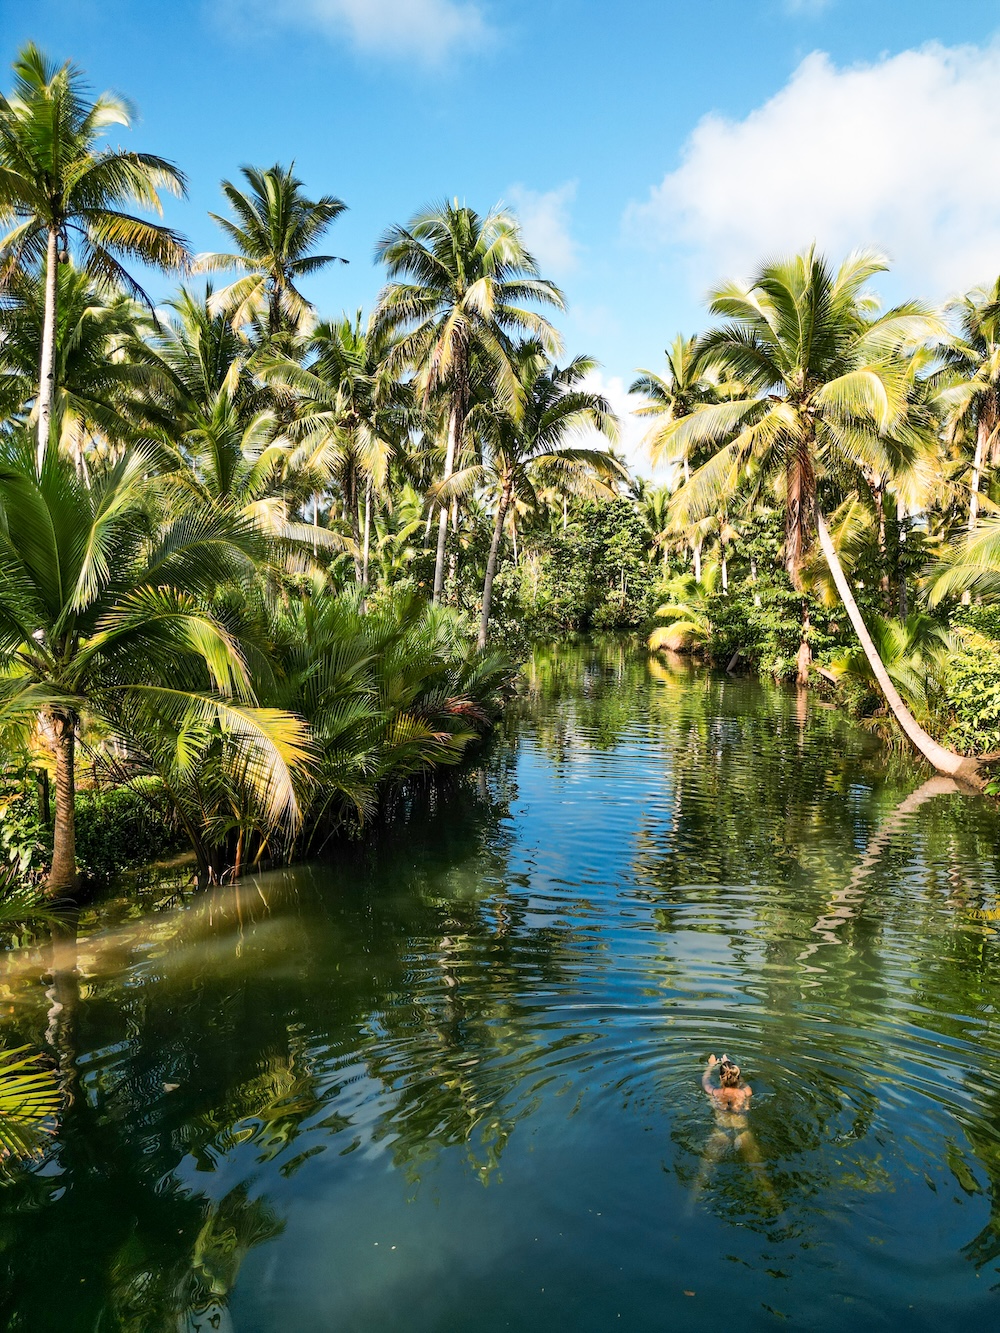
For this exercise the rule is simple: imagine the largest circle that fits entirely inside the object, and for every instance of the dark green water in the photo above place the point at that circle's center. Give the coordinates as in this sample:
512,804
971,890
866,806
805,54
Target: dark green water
451,1082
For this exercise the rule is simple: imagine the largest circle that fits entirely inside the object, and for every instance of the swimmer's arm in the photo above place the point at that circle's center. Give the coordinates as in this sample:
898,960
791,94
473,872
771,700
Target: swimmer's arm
706,1078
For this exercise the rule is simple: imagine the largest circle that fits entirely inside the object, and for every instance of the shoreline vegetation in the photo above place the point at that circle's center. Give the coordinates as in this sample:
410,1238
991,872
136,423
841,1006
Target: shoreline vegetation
262,568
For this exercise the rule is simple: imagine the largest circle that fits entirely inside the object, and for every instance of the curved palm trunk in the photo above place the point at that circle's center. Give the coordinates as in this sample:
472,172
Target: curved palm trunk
454,432
491,564
63,877
47,364
945,761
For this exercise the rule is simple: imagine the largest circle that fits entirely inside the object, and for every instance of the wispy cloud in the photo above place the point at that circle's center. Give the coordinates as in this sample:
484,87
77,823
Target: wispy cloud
895,154
545,225
428,30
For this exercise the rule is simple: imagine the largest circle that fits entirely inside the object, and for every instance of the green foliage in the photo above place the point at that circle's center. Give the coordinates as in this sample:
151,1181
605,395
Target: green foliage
25,842
972,683
124,826
595,575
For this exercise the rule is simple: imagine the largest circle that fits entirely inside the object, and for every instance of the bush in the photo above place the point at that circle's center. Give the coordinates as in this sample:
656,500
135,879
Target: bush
123,827
972,685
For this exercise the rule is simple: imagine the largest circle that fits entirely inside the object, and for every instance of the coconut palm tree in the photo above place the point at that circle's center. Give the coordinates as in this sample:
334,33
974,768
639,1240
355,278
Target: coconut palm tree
969,383
669,398
526,448
103,612
275,228
97,396
460,286
62,191
826,389
352,414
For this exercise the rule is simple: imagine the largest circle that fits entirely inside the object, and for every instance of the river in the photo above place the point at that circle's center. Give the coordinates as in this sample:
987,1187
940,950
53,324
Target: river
449,1078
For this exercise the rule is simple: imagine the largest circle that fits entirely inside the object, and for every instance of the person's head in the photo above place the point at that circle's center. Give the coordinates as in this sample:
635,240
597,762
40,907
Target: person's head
729,1073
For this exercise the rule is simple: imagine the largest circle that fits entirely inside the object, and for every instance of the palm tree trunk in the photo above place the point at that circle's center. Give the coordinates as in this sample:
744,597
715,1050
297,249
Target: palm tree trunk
491,564
945,761
454,430
47,365
883,546
696,552
366,552
63,876
982,436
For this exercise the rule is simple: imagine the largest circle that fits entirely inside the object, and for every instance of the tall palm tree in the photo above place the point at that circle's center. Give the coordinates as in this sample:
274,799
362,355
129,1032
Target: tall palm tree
97,395
669,398
103,613
526,447
970,384
460,285
352,413
62,191
275,228
826,390
823,385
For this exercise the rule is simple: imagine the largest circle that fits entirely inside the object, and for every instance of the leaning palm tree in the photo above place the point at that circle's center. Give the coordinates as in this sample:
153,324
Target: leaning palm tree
826,389
61,191
275,229
460,285
104,613
527,447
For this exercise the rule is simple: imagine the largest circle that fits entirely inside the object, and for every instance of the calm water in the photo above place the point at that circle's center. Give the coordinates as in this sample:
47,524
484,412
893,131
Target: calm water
451,1082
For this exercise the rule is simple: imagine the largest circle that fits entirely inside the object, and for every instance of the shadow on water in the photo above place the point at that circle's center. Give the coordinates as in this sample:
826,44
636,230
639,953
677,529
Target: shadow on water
449,1078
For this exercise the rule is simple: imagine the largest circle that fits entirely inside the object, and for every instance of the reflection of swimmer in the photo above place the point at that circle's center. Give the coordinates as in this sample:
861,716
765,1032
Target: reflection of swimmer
731,1102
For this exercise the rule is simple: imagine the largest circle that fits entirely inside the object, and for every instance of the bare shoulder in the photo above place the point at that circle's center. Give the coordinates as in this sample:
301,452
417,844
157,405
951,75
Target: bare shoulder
748,1090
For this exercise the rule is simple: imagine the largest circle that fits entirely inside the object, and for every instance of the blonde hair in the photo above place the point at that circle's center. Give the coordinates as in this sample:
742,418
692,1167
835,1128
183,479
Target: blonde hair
729,1073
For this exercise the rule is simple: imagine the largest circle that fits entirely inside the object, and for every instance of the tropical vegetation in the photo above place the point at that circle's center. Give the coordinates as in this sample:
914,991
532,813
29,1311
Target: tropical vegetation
262,570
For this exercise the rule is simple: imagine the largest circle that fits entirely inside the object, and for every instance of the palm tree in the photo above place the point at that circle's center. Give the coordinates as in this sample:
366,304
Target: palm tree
525,447
460,286
970,392
59,187
826,388
275,229
669,398
103,614
351,415
821,383
97,395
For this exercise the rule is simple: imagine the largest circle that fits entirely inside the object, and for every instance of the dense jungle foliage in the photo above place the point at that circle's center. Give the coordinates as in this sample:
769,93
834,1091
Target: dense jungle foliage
260,568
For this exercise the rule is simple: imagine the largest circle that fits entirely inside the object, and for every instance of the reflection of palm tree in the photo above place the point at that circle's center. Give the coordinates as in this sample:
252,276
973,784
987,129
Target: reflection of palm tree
232,1227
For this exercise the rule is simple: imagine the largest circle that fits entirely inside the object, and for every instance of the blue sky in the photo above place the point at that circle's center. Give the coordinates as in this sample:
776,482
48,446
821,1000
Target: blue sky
652,147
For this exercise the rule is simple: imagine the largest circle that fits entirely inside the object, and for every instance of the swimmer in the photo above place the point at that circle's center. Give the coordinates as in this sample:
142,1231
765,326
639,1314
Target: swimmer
732,1094
730,1102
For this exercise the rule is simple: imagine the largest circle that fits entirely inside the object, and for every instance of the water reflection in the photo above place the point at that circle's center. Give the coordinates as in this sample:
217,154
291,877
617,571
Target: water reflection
452,1078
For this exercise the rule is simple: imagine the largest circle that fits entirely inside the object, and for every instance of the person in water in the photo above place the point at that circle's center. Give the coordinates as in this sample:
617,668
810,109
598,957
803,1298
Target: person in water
733,1093
730,1099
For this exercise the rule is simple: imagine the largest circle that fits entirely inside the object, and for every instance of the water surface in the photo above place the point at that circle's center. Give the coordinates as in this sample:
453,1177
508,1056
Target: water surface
450,1080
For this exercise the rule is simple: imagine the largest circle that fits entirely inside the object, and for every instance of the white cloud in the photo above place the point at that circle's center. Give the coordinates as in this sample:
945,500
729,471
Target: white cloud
545,225
900,154
427,29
